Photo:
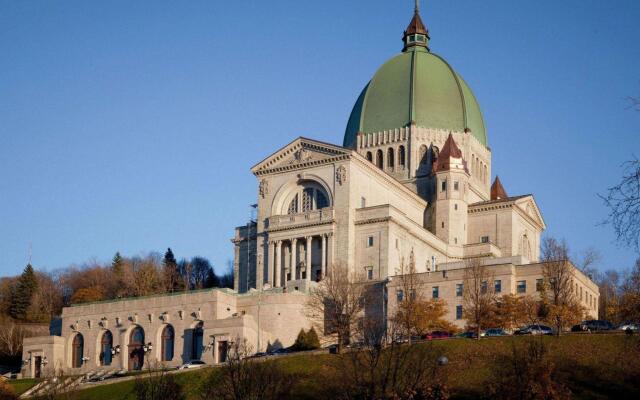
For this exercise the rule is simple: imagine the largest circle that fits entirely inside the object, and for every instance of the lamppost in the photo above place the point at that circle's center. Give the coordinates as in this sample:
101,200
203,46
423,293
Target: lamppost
147,347
115,350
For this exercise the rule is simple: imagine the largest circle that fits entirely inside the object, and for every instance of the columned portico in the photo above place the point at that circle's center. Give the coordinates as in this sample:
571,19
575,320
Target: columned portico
300,259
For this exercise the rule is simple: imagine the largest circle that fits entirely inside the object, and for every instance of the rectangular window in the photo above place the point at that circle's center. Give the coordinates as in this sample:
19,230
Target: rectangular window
497,286
400,295
455,206
435,292
456,186
370,273
522,286
484,239
370,241
363,202
483,287
444,185
458,312
539,285
397,246
412,294
459,289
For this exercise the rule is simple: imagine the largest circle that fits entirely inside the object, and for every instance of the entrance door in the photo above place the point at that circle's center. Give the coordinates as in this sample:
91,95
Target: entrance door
135,350
37,373
223,347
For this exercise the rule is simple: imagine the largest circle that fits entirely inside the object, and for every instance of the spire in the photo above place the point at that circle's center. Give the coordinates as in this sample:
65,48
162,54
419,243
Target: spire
497,190
450,157
416,34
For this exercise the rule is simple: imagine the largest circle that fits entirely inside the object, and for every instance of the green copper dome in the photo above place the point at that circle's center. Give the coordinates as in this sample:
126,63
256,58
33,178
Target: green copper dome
418,87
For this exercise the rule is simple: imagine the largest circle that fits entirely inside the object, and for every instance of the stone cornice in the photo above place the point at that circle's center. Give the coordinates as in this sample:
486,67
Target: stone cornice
294,227
273,163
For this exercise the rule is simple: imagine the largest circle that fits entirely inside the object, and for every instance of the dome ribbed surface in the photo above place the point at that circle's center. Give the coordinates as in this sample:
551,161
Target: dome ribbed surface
418,87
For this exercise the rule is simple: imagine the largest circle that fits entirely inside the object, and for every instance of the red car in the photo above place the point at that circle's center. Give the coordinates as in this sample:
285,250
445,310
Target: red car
438,335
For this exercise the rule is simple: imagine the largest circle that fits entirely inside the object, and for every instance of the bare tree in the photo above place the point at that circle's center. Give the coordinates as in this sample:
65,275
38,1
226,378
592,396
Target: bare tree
623,202
478,295
609,301
630,295
558,289
243,378
337,303
11,337
588,260
157,384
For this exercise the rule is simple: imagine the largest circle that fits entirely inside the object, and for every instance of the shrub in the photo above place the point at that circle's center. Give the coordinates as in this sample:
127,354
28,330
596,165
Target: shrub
306,340
6,391
158,385
527,373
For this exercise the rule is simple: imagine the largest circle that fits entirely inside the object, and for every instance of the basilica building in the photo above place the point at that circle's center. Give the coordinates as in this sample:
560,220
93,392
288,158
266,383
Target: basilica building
412,180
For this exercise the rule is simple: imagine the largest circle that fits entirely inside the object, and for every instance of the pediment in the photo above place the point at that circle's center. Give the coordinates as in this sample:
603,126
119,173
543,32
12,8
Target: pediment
528,207
300,153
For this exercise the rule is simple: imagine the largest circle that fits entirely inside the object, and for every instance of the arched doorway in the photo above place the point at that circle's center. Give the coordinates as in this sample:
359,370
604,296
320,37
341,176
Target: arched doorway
106,344
168,337
77,351
135,349
197,341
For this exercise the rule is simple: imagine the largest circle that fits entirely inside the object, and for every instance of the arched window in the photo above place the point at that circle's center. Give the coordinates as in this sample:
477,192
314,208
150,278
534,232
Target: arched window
307,197
197,342
486,174
379,159
135,350
293,205
369,156
77,349
390,158
168,337
106,344
422,155
401,156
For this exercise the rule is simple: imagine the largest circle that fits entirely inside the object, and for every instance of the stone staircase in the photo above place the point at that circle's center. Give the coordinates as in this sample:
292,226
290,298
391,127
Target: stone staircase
59,385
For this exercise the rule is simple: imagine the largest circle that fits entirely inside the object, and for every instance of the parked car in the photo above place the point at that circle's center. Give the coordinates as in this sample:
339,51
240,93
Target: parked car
534,330
280,351
593,325
495,332
630,326
467,335
193,364
439,335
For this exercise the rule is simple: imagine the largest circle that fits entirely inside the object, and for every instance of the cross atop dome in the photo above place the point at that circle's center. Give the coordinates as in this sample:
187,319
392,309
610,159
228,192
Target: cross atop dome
416,34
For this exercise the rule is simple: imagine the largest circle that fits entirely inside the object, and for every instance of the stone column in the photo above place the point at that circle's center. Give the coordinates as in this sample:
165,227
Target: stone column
294,257
278,253
323,263
308,262
332,258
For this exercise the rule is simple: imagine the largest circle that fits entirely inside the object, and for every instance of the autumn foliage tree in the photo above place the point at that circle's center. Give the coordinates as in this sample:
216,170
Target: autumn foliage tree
417,315
558,294
478,295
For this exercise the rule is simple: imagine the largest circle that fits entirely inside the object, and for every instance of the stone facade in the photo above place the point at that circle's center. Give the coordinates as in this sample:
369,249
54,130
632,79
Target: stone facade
175,328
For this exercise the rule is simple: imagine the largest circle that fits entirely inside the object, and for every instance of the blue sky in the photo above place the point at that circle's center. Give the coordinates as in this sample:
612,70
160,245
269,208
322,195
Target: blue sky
131,126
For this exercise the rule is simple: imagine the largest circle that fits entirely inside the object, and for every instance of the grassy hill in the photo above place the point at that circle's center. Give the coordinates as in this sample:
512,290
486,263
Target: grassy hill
592,366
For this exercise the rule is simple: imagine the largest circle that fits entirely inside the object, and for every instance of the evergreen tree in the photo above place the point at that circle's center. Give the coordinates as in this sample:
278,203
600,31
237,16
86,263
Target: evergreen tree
118,288
301,341
25,288
313,342
117,265
170,271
